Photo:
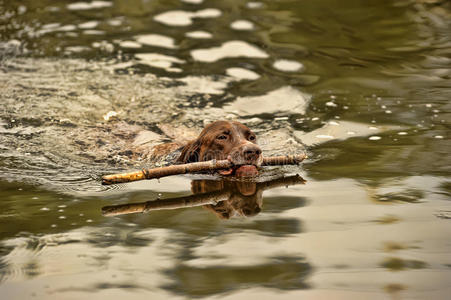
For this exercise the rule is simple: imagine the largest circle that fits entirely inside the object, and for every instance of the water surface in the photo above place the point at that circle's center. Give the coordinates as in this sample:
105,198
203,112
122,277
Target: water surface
88,87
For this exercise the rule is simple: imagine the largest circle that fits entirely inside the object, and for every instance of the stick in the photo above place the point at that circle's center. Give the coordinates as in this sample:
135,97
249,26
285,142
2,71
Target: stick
192,200
194,167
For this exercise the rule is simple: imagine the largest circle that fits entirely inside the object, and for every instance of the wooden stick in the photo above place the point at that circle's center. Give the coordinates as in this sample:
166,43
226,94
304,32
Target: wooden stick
192,200
283,160
195,167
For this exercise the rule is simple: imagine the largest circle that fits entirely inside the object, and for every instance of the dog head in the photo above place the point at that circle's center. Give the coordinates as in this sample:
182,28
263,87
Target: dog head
225,140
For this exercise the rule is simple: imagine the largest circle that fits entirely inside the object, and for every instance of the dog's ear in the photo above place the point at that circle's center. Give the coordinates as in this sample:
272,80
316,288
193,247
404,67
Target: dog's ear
190,152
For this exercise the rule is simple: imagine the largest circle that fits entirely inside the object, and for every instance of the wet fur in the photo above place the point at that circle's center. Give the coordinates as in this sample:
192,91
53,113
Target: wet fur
223,140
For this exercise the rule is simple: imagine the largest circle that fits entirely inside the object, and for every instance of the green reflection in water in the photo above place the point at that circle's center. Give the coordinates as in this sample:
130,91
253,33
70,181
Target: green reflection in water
283,273
398,264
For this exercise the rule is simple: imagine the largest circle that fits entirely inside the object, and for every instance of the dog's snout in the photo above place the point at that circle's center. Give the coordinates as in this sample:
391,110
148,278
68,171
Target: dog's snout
251,153
247,154
252,150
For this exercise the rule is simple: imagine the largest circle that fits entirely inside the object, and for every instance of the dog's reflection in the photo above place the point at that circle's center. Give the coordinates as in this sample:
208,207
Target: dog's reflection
245,197
224,198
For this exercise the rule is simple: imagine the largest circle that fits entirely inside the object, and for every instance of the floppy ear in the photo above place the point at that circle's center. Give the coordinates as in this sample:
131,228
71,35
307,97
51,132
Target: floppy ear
190,152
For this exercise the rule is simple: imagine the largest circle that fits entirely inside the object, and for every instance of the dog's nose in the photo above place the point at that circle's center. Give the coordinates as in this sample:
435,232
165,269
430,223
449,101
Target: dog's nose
246,154
251,150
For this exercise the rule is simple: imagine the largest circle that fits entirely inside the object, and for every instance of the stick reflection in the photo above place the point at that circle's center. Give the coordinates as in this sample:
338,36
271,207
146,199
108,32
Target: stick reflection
224,198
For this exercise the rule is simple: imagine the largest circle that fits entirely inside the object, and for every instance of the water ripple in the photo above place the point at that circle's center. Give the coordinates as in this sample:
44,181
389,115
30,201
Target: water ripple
228,50
88,5
184,18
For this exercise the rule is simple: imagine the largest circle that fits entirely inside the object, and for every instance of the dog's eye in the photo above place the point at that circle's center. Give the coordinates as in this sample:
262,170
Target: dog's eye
221,137
252,138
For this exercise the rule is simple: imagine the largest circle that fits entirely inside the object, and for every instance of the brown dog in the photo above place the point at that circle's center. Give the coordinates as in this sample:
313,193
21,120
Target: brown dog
225,140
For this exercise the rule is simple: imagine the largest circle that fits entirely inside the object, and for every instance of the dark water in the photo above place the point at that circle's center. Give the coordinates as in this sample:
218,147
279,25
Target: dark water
362,86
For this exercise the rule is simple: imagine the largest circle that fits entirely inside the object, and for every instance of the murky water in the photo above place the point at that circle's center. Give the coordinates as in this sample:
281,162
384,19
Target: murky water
87,88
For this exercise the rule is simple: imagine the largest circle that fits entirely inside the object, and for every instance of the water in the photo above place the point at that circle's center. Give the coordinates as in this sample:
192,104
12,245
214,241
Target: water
89,87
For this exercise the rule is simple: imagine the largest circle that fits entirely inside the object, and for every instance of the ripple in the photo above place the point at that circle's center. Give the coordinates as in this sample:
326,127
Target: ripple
294,102
76,49
93,32
30,151
199,34
19,262
157,40
193,1
88,25
88,5
228,50
115,22
207,13
254,5
399,264
105,46
160,61
50,26
184,18
342,131
130,44
286,65
241,74
175,18
324,136
242,25
203,84
66,28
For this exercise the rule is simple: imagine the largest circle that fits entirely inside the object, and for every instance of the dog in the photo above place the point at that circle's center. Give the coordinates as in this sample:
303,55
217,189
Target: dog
222,140
235,142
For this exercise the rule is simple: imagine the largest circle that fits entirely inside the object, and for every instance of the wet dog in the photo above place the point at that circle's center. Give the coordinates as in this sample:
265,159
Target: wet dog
225,140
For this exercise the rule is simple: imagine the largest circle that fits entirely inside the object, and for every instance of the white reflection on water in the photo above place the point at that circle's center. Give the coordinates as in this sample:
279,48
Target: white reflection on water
184,18
193,1
340,130
227,50
202,84
76,49
157,40
88,25
93,32
199,34
130,44
241,74
160,61
254,4
288,65
294,101
242,25
66,28
88,5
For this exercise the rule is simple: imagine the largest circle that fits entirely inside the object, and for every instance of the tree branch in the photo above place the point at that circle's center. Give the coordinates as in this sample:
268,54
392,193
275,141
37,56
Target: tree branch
210,165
